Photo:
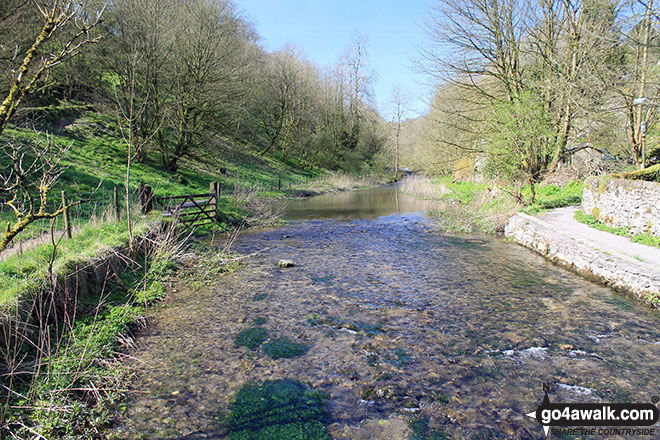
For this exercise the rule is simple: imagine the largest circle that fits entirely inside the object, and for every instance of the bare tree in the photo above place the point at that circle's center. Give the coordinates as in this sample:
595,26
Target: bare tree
643,85
56,15
204,58
130,112
288,88
35,168
399,103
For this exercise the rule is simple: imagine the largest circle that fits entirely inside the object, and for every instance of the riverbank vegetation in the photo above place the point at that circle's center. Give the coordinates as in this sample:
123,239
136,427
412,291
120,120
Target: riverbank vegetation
63,347
529,90
100,97
470,206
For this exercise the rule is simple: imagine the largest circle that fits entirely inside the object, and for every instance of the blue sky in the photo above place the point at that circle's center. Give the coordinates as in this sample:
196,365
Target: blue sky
323,29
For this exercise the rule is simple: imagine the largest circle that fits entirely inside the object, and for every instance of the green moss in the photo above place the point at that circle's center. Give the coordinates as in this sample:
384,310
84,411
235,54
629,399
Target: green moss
277,410
651,173
284,348
419,430
251,337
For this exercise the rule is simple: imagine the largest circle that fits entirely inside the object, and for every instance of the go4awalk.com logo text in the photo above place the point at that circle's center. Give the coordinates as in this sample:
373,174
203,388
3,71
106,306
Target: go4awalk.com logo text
602,419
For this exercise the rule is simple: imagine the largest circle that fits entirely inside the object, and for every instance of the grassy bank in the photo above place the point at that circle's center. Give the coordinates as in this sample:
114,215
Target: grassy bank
67,374
64,375
63,372
472,206
590,220
24,272
96,158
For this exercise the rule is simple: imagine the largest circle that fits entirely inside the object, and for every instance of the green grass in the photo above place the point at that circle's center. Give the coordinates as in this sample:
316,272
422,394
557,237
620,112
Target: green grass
98,152
57,405
21,274
478,206
463,192
590,220
547,196
97,155
553,196
277,410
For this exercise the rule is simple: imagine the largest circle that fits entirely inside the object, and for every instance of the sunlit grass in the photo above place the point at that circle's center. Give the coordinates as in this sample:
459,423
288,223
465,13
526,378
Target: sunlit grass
24,272
482,206
591,221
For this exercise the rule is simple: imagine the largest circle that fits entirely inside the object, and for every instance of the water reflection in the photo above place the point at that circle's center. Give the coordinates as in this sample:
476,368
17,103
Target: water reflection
366,203
402,321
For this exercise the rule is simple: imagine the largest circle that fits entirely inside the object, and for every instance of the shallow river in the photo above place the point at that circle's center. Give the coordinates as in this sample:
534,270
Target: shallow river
402,320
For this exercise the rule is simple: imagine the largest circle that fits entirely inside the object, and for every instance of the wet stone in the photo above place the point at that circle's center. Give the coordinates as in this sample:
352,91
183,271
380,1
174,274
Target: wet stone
285,263
465,328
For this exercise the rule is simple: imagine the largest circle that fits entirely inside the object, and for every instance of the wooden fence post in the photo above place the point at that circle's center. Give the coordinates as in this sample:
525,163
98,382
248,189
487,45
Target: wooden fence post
116,203
67,215
145,195
216,194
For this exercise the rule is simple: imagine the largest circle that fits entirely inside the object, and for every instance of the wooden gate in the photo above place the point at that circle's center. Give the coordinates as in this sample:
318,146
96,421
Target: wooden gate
191,209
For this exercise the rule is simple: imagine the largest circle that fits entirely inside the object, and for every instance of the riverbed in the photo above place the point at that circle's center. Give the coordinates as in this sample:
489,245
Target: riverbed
403,322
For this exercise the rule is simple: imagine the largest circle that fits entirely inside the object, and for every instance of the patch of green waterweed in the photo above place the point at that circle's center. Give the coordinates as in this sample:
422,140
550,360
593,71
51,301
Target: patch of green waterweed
259,320
399,358
440,396
284,348
277,410
251,337
420,430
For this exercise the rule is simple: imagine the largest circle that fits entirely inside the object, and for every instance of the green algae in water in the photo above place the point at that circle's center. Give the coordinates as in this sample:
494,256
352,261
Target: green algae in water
419,430
259,320
399,358
251,337
277,410
284,348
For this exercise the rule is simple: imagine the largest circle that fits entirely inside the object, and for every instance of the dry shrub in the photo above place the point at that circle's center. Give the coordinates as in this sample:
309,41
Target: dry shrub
423,187
341,182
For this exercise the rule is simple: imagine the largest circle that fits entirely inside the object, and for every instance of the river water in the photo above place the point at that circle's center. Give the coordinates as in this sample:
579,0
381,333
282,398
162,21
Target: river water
403,321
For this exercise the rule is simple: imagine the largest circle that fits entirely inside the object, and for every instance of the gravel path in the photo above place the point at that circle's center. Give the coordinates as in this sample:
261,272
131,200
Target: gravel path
562,219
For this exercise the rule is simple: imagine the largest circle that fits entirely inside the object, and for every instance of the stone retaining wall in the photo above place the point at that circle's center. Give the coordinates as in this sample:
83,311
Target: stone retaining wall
610,270
634,204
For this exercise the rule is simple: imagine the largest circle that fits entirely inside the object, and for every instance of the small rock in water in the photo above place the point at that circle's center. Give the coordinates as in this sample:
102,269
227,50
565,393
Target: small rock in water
285,263
576,389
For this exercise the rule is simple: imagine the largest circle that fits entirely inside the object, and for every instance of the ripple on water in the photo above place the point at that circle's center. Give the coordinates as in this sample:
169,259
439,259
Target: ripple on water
400,321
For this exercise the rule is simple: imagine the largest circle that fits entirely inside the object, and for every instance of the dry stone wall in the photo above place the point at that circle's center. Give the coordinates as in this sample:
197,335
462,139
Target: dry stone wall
634,204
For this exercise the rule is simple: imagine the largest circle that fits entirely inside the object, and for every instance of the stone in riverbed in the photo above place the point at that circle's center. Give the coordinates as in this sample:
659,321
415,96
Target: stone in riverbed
285,263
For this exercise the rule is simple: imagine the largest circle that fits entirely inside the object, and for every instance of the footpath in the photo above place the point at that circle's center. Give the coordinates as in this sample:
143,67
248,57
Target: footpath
610,259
